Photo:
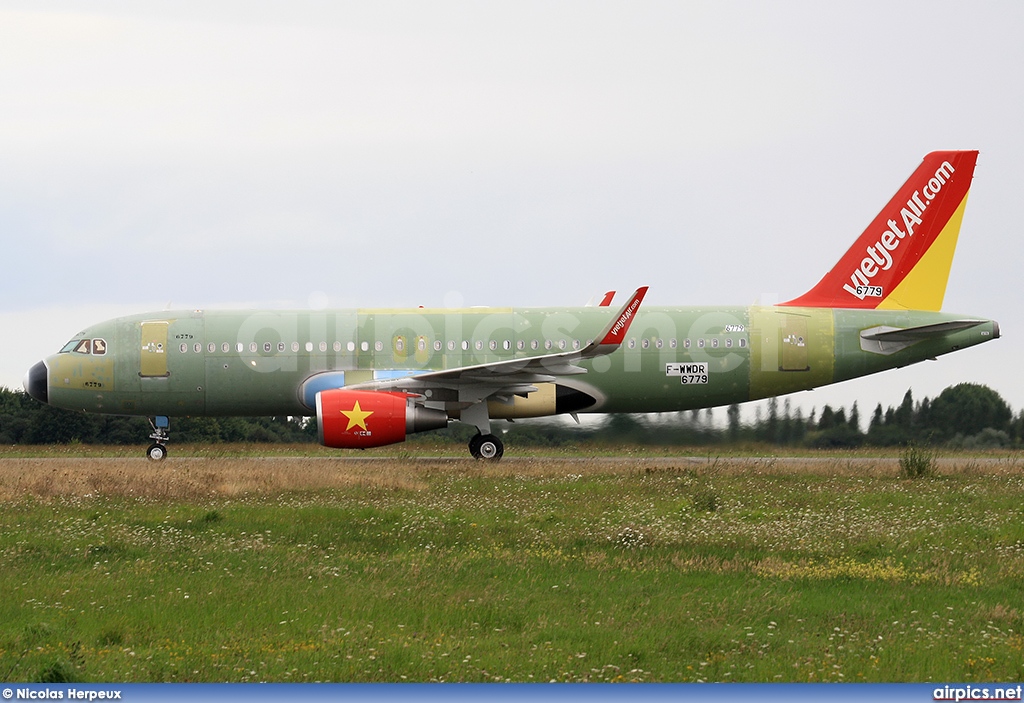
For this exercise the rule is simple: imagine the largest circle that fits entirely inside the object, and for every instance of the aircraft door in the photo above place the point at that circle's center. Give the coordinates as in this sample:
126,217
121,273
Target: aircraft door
790,350
793,343
153,360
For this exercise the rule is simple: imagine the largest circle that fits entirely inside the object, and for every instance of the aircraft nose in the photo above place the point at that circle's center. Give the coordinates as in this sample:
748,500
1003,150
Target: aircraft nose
36,382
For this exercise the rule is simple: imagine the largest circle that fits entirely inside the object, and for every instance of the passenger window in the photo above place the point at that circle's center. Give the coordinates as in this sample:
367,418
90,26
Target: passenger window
631,344
700,343
309,346
240,347
323,346
714,343
645,343
506,345
493,345
437,345
378,345
225,347
535,344
479,345
672,343
337,347
183,348
351,346
686,343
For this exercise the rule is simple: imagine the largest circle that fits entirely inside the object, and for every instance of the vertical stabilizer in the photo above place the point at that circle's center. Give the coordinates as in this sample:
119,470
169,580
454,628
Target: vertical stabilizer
902,260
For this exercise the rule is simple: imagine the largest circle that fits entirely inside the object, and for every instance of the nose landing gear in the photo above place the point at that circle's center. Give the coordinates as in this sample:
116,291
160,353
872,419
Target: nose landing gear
158,450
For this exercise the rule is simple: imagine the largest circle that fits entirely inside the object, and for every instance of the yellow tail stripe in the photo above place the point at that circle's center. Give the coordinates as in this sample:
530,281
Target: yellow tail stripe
925,286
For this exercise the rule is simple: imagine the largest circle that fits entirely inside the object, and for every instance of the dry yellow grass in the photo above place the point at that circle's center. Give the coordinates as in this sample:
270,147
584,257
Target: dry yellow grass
192,478
204,477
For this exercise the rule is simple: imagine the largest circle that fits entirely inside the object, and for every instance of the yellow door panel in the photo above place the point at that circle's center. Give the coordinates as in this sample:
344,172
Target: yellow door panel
154,349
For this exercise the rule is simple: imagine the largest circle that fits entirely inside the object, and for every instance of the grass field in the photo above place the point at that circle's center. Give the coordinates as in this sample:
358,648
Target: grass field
298,568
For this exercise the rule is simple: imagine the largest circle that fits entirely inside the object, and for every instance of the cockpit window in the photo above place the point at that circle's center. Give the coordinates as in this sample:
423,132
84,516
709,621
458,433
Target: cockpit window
96,347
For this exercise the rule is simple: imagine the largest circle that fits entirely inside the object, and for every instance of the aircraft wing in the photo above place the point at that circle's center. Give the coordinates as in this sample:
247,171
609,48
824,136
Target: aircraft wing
516,376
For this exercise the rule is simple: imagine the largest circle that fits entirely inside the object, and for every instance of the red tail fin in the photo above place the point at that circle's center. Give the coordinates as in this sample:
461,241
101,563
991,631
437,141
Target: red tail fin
902,259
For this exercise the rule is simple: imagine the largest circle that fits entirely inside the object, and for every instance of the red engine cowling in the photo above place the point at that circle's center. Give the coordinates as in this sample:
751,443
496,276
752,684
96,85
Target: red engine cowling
361,419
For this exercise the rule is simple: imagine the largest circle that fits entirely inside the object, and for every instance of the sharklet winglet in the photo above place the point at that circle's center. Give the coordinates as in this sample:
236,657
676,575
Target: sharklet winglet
615,332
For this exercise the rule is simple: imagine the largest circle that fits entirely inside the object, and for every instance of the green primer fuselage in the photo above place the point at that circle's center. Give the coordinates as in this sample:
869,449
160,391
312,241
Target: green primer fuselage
675,358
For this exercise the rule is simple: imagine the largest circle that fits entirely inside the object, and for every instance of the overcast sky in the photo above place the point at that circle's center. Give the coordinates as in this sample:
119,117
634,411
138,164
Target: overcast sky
207,154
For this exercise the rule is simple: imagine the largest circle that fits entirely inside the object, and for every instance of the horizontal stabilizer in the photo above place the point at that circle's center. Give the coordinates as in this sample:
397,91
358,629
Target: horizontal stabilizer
914,334
889,340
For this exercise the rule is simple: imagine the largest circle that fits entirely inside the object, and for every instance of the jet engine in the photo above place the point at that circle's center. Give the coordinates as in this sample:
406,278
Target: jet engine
350,419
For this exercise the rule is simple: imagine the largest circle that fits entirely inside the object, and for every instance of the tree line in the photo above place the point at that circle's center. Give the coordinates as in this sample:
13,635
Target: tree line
966,415
25,421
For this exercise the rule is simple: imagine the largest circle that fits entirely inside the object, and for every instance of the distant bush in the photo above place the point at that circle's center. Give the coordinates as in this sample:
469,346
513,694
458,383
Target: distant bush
916,462
988,438
838,437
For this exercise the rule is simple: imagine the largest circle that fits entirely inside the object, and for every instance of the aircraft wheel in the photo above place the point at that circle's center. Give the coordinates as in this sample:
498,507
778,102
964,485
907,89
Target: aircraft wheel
489,447
156,452
474,446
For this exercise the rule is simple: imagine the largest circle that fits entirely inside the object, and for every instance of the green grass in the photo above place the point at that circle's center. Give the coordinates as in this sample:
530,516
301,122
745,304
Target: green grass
530,571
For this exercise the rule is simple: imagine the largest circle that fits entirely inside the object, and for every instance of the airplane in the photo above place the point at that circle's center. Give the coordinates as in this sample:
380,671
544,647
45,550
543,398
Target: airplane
371,377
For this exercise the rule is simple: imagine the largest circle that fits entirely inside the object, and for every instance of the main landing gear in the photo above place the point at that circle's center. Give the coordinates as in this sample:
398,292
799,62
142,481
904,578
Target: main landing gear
157,451
486,446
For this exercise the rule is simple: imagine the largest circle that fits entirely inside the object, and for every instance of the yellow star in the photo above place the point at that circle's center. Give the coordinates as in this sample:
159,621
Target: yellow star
356,416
